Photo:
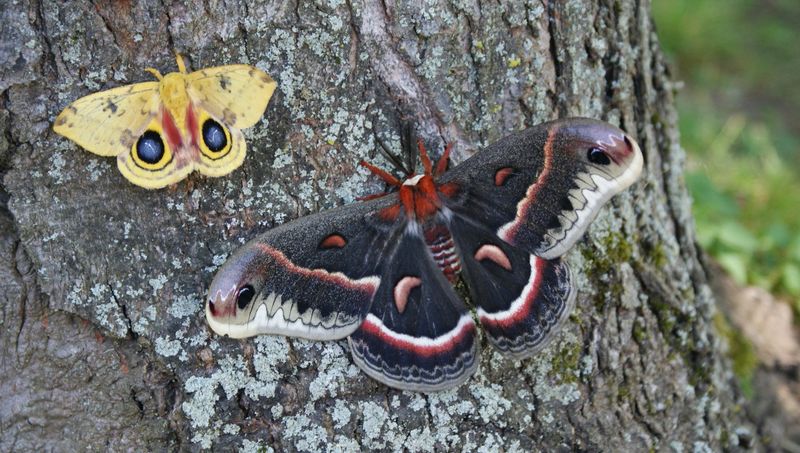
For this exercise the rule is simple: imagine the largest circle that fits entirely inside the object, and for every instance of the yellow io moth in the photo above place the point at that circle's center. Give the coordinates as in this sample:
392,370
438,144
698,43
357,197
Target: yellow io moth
162,130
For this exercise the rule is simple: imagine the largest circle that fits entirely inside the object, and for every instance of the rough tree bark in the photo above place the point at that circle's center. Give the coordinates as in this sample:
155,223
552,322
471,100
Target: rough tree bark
104,342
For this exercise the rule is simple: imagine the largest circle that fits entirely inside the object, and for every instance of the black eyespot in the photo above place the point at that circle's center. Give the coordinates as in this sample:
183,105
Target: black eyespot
214,135
598,156
150,147
244,296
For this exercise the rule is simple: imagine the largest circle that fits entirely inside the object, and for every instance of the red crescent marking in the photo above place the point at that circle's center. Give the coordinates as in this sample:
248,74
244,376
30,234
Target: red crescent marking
382,333
333,241
495,254
501,175
530,195
402,289
524,310
367,287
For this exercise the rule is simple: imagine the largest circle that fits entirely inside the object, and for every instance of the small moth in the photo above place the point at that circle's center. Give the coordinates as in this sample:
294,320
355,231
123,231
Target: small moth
381,272
163,130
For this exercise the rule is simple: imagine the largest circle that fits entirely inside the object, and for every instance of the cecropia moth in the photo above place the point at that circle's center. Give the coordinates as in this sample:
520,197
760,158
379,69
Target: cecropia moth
382,272
163,130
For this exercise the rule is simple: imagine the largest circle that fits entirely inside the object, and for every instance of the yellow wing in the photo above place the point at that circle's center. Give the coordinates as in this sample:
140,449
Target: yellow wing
237,94
226,159
107,123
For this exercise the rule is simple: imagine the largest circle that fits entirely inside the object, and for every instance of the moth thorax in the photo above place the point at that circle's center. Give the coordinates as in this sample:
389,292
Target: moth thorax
173,94
440,243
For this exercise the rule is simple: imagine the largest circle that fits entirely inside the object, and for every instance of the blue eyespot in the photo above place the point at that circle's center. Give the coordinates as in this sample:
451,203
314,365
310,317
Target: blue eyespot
150,147
214,135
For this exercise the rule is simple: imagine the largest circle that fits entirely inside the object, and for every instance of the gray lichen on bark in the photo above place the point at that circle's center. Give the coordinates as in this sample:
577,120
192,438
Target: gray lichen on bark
637,367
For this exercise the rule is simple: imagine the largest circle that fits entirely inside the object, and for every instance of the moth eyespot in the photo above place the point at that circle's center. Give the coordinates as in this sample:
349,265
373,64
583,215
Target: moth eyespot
150,147
214,136
598,156
244,296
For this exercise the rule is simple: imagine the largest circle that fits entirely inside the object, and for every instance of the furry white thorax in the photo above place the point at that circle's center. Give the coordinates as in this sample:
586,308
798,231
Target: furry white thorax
412,181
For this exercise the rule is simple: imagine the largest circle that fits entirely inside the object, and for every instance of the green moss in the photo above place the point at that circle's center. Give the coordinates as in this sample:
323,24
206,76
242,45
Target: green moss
623,393
616,249
657,255
669,321
655,119
741,353
639,332
576,318
567,361
666,315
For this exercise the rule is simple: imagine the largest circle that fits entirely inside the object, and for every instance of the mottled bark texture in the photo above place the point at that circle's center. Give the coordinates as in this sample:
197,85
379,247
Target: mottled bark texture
104,341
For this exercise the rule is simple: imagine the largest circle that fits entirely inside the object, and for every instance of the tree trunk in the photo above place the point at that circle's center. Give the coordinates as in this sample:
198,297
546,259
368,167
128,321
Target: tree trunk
102,283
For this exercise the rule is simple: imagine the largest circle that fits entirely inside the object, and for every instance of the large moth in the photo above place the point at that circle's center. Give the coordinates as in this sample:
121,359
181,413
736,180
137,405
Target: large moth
381,272
161,131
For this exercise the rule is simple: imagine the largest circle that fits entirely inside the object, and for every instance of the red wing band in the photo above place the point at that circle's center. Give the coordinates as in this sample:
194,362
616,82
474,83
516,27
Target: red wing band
508,232
416,363
297,301
530,321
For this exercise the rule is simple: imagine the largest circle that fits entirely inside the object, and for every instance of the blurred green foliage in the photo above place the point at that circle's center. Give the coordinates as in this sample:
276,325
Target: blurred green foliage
740,123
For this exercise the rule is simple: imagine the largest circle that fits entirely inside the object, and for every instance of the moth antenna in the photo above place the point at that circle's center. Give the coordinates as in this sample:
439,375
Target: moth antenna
371,197
386,177
181,63
406,142
392,157
441,164
423,155
155,73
